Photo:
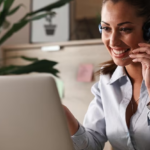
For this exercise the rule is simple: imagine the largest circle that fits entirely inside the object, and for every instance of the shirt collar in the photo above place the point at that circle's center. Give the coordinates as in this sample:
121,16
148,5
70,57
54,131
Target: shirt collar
117,74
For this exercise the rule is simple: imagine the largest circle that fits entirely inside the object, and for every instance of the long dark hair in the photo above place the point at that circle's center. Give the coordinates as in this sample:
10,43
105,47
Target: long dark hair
143,9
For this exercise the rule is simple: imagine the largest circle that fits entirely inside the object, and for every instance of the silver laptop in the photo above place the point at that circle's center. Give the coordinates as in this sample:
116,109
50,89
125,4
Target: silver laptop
31,115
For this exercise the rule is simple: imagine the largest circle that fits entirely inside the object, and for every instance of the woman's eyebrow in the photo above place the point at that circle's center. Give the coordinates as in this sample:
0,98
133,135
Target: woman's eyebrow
120,24
127,22
106,23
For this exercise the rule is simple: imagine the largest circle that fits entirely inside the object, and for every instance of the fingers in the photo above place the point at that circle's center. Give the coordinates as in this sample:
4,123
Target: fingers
144,61
144,44
142,50
143,55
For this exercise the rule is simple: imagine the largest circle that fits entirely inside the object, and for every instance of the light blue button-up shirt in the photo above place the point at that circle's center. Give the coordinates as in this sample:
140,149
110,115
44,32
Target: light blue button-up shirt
106,116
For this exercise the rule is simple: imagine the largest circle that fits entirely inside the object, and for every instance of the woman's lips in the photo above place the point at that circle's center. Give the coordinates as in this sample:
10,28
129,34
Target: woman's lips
120,55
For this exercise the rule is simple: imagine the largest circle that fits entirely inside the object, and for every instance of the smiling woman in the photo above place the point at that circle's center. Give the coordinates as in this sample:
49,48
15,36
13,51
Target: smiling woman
119,112
130,29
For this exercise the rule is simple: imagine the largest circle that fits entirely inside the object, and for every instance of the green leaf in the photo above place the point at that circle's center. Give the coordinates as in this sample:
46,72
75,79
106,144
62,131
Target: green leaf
27,69
27,18
5,10
23,57
44,66
14,10
2,17
17,26
1,1
6,24
8,69
45,63
48,7
28,58
8,4
40,16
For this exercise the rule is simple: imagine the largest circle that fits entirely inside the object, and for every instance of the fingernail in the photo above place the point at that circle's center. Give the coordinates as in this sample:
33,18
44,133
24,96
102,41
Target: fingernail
131,55
134,60
133,51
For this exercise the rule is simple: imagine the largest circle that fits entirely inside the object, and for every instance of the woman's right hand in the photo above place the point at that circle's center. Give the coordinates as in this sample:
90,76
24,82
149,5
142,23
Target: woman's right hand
73,124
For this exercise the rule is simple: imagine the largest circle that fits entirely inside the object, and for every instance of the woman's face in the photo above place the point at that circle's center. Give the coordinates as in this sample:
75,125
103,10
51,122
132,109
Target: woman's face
121,30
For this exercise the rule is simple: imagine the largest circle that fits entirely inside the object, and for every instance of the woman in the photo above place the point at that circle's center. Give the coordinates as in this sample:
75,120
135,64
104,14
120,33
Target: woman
120,111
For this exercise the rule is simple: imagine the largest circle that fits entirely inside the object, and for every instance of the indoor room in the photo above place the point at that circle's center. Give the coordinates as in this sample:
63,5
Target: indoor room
74,74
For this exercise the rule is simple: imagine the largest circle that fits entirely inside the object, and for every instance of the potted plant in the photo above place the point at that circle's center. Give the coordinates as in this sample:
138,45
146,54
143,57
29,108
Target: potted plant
36,65
50,28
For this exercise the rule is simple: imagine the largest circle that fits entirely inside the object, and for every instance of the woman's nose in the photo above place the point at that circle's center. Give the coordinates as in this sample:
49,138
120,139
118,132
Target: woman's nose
115,39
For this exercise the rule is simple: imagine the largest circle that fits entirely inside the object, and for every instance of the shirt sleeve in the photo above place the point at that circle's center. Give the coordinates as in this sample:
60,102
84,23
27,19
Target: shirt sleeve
92,135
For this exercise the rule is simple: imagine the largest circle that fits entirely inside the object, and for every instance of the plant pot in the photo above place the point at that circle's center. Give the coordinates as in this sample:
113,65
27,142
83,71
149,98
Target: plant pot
50,29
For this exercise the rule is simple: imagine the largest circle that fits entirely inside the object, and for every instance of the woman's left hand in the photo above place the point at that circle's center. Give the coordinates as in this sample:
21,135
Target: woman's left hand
142,55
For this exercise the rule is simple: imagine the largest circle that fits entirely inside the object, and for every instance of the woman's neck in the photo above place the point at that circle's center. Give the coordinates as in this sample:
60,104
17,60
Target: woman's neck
134,72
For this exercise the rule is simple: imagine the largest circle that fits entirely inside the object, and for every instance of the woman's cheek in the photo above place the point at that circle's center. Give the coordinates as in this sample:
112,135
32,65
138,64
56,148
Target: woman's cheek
105,39
131,41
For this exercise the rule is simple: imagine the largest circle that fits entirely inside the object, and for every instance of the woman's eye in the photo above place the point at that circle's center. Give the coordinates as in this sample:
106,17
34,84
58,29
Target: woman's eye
106,29
126,29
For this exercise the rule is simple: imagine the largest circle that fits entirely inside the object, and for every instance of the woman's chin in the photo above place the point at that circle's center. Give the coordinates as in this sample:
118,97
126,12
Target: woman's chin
120,62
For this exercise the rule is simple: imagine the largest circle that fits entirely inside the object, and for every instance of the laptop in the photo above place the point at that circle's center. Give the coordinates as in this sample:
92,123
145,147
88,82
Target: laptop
31,114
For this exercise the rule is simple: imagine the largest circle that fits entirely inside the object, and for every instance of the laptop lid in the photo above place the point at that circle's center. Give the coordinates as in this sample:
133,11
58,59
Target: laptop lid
31,114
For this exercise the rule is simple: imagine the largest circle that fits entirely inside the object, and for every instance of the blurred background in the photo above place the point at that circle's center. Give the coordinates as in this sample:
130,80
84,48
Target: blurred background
66,38
81,17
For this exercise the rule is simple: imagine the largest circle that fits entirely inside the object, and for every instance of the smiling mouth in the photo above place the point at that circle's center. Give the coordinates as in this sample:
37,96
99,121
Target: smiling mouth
120,52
